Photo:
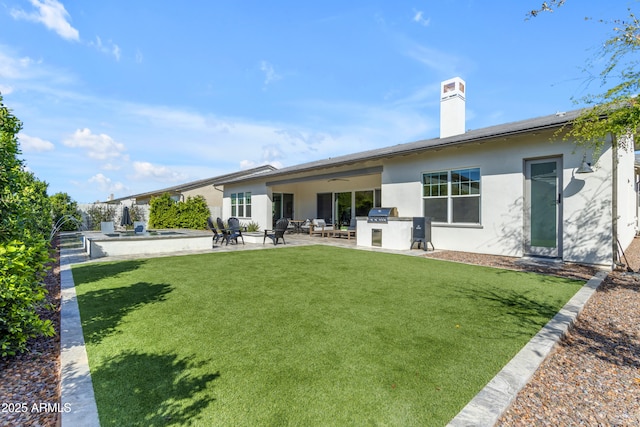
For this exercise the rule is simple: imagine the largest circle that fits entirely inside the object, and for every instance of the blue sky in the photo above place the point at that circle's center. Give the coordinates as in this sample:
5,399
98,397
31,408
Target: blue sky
122,97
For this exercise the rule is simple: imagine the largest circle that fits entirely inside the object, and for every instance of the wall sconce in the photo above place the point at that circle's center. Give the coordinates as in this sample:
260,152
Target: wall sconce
585,167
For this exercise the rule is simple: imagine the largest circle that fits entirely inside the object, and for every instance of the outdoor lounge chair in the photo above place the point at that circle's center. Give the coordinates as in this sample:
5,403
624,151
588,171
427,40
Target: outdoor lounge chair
319,226
349,231
305,226
211,226
234,230
278,233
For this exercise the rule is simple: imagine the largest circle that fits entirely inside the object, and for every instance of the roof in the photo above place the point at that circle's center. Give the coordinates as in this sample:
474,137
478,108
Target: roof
473,136
218,180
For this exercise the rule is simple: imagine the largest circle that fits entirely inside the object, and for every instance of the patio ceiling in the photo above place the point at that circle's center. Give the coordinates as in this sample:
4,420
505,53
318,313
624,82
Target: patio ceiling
328,176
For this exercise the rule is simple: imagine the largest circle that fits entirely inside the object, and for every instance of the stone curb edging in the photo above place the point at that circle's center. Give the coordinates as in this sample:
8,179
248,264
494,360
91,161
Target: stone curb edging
76,386
488,405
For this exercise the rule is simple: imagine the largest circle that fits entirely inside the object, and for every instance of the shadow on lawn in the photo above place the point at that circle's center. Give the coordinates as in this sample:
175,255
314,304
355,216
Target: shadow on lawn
88,273
103,309
524,311
151,389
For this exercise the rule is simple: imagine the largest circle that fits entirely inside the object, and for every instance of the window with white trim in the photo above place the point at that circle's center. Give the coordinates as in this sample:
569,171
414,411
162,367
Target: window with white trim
452,196
241,204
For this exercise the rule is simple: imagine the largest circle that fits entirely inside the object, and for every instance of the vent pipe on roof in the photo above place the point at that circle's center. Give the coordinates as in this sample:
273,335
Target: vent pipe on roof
452,107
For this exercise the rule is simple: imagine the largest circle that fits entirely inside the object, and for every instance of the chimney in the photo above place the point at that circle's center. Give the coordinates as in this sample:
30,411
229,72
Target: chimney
452,107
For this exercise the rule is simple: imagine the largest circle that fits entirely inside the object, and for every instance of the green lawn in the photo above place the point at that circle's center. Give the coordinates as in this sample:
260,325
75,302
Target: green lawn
302,336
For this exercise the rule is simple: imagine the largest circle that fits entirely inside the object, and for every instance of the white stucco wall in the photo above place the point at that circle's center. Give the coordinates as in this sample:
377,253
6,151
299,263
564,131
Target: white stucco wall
260,203
586,198
627,196
586,204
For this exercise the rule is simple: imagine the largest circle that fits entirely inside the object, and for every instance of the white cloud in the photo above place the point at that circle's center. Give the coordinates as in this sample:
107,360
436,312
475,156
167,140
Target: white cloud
139,57
444,63
28,73
99,147
110,48
14,68
31,144
420,19
105,183
53,15
145,170
270,74
5,90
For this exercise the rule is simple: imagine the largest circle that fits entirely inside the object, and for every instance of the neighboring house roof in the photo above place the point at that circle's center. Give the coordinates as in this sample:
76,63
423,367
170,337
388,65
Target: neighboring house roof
218,180
472,136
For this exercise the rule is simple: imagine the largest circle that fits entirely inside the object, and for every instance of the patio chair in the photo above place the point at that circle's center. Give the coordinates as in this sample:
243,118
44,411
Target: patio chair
211,226
349,231
305,226
234,230
224,232
319,226
278,233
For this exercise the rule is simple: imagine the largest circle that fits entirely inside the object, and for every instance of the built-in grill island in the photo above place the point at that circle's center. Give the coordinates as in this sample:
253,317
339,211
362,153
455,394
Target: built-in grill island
382,227
381,215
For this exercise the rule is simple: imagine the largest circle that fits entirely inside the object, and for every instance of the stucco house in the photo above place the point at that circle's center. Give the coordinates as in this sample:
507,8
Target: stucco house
209,188
513,189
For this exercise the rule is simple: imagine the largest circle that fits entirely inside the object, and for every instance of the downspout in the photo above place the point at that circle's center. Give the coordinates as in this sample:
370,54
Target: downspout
614,200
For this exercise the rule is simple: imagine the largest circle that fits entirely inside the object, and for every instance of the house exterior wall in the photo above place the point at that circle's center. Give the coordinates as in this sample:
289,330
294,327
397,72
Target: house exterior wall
305,200
586,231
260,203
586,202
627,195
212,195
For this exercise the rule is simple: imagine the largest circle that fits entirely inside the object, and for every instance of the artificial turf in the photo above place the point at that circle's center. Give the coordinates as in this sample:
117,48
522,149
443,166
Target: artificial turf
308,336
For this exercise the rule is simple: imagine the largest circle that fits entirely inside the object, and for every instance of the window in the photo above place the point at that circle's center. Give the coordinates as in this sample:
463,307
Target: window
241,205
364,202
452,196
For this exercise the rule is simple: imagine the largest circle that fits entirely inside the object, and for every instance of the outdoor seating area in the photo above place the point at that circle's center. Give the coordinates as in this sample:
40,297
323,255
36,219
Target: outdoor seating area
319,227
232,231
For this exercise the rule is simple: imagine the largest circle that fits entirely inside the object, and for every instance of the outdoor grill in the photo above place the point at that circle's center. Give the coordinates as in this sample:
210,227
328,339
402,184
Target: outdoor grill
381,215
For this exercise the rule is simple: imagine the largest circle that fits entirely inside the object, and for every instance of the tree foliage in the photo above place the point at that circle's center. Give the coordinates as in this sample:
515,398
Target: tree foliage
97,213
25,220
167,213
615,110
64,212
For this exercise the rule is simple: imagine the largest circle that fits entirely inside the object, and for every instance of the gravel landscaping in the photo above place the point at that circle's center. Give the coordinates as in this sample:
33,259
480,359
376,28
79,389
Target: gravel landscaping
591,378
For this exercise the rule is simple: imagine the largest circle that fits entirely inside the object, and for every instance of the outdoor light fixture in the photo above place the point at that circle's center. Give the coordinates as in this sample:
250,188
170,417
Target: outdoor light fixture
585,167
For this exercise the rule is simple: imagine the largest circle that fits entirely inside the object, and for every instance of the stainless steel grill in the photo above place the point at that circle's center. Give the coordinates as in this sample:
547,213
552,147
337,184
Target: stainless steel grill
381,215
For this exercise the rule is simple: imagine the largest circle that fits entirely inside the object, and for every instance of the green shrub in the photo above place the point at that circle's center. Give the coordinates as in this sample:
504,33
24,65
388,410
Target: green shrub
21,293
25,220
98,213
252,226
167,213
163,211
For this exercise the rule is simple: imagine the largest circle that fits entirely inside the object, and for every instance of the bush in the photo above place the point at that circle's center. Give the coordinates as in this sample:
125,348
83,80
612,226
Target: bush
25,219
252,226
98,213
167,213
21,293
64,212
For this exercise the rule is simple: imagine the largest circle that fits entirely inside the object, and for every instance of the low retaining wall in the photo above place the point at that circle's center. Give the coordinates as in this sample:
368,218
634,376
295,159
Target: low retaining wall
98,245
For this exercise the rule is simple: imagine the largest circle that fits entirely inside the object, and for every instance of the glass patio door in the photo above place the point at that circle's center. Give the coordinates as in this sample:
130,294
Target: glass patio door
282,206
543,207
343,208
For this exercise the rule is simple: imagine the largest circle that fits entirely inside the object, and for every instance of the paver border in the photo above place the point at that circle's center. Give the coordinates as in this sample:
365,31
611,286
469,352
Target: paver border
76,388
494,399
